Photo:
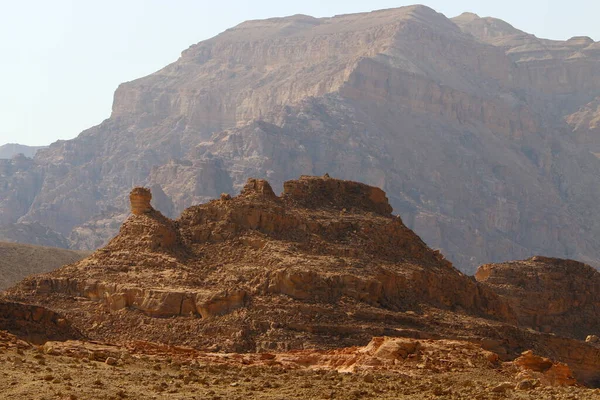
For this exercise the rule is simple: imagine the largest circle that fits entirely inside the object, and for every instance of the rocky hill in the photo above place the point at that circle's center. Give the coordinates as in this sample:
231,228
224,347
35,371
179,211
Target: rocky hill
10,150
259,259
548,294
325,265
482,135
17,261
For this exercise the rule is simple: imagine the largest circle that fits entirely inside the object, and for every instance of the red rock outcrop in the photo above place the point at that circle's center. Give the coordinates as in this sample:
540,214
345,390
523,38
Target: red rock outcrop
140,199
550,373
314,192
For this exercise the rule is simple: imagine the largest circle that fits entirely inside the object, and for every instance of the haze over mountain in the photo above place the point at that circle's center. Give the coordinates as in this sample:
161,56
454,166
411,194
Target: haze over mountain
483,136
10,150
32,233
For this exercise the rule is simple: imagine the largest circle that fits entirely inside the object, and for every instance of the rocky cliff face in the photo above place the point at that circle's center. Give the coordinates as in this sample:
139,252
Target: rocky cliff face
482,135
32,233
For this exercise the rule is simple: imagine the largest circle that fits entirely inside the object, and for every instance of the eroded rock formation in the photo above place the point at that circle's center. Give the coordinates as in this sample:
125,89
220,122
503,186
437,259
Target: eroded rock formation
322,266
322,241
140,199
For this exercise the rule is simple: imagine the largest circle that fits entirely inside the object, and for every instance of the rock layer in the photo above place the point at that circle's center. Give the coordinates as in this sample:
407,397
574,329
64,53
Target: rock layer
140,199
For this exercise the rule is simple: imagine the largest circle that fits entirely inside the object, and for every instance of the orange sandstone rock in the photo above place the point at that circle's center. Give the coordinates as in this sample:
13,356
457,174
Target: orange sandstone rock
140,199
550,373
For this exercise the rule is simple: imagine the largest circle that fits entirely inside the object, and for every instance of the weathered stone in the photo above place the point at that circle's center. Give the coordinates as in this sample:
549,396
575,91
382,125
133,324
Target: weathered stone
387,349
221,303
309,190
35,324
258,186
140,199
555,374
503,387
530,361
592,339
325,265
227,255
527,384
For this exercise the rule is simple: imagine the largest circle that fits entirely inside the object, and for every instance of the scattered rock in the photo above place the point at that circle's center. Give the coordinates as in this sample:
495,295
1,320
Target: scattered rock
368,378
592,339
503,387
527,384
140,199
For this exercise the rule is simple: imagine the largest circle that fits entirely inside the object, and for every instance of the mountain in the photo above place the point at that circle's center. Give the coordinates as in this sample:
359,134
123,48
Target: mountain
308,275
10,150
32,233
483,136
17,261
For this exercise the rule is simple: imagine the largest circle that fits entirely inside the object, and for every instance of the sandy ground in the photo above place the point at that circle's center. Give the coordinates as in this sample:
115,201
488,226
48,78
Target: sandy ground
29,372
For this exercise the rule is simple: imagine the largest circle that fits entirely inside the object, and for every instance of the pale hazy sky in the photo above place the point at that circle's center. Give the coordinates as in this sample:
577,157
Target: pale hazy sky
61,60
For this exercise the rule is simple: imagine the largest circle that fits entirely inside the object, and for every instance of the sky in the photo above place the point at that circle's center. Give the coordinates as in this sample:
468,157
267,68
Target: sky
61,60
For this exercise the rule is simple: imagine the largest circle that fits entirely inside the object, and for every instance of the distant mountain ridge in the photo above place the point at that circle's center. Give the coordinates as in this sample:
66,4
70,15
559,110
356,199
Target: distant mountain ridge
32,233
8,151
483,136
20,260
